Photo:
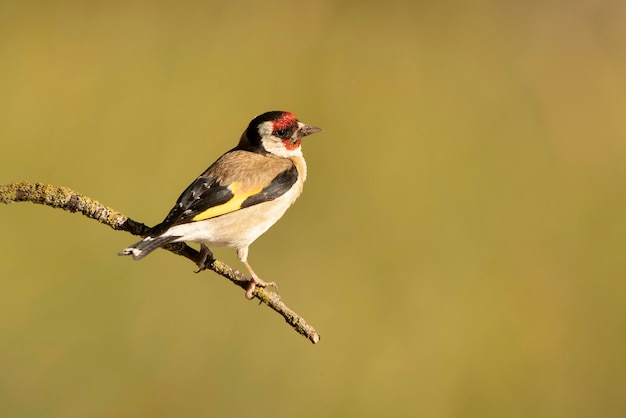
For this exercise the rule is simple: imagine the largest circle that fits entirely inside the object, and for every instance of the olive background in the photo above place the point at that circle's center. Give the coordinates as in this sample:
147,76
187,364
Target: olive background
460,242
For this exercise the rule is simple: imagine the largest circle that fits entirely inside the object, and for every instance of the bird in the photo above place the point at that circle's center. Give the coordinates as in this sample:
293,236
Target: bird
240,196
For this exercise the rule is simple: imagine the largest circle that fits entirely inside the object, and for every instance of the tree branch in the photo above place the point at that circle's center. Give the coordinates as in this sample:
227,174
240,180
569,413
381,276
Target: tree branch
69,200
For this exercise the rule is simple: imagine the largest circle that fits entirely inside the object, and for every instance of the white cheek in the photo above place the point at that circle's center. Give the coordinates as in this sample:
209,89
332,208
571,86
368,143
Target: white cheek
275,146
265,129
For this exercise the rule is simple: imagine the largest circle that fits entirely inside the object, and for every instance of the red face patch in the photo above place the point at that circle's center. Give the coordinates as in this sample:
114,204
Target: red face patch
291,145
286,120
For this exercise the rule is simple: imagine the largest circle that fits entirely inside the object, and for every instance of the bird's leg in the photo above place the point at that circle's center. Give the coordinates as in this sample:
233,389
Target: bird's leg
206,256
256,281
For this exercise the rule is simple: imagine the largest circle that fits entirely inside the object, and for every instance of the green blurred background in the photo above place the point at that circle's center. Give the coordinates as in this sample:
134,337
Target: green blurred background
460,243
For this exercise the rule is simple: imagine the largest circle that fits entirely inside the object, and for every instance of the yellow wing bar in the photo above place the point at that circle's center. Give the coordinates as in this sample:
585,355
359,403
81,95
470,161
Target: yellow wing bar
232,205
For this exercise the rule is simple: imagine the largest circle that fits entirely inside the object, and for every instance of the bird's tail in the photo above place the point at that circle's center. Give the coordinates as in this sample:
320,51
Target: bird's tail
144,247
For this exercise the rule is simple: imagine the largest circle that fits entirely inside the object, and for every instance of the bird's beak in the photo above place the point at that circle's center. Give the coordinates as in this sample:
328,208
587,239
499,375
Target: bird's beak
306,130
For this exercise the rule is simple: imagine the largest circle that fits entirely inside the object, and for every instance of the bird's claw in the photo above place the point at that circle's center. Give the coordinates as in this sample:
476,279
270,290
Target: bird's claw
254,282
206,258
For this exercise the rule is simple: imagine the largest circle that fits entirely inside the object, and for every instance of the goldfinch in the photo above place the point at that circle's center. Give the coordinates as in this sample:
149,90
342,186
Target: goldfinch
241,195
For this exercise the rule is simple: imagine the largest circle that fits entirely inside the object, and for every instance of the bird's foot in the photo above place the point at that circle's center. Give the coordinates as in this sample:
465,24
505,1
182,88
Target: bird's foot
206,258
254,282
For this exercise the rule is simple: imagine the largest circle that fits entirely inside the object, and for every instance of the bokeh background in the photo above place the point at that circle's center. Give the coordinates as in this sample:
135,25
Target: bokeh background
460,243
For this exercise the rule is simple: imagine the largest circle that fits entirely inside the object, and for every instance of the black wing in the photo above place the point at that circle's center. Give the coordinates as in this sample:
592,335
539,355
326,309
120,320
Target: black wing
202,194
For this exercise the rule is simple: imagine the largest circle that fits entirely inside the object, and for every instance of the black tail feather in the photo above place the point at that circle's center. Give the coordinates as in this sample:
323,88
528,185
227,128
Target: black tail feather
144,247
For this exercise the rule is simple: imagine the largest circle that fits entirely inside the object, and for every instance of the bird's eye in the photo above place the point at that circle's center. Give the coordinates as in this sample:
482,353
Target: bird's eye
280,132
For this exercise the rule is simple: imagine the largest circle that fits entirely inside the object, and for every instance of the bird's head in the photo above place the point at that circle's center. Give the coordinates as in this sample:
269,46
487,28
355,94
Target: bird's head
278,133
